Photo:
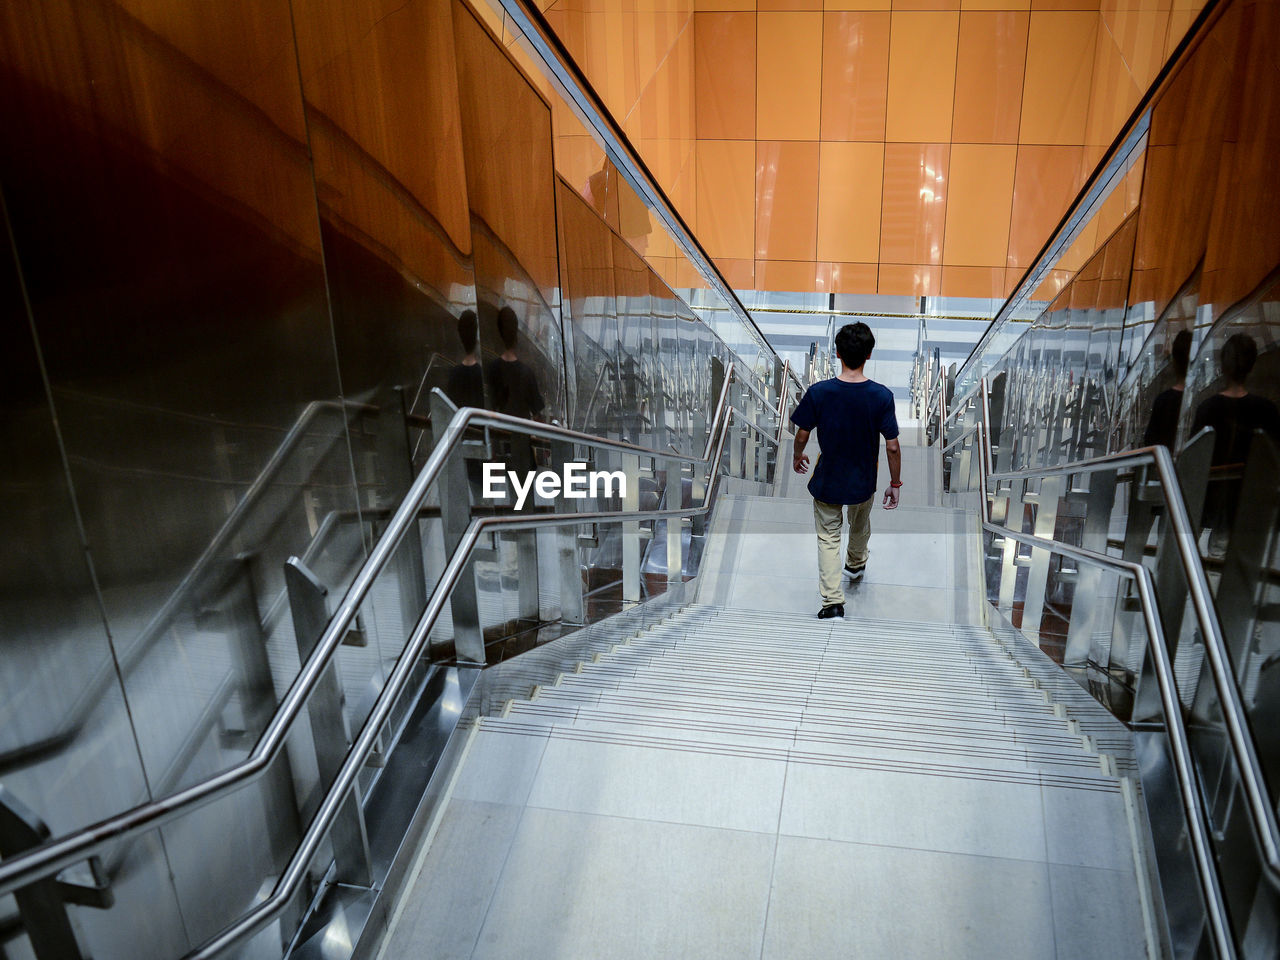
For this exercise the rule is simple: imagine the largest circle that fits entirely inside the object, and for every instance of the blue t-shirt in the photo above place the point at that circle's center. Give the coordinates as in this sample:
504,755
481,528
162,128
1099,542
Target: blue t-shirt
851,418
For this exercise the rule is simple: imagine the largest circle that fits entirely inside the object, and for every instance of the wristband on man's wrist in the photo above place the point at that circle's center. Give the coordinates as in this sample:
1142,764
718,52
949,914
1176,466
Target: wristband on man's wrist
895,483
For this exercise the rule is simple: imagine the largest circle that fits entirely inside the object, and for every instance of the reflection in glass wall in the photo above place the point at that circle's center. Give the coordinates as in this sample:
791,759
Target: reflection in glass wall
61,703
250,242
1085,375
1169,335
506,132
160,195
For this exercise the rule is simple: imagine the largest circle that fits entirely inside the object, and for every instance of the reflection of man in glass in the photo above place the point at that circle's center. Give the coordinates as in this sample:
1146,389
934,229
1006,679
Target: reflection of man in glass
1163,426
513,388
465,386
1234,414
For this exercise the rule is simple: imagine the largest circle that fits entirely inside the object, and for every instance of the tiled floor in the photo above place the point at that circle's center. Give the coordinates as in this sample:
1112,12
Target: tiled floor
744,782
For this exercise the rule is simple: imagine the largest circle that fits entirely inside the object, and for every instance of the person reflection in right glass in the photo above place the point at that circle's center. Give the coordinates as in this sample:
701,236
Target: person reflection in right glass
1234,414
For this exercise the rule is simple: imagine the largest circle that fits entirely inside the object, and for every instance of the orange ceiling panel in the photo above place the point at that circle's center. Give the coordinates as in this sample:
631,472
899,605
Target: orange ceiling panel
1055,92
918,280
1052,284
989,70
978,204
926,5
849,182
922,73
995,4
1047,179
1064,5
1181,17
864,145
784,275
788,76
855,75
666,104
1112,95
1140,33
724,70
726,197
986,282
830,5
847,277
740,274
913,210
786,199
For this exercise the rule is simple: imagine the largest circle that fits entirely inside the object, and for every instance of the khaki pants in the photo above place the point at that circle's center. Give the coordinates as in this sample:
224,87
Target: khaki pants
827,518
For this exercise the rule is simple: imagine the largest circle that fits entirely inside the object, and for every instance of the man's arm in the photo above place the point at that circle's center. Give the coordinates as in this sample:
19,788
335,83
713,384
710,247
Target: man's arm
799,462
893,450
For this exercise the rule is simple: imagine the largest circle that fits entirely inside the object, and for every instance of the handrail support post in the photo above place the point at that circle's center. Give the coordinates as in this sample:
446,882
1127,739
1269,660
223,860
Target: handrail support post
329,731
631,530
455,514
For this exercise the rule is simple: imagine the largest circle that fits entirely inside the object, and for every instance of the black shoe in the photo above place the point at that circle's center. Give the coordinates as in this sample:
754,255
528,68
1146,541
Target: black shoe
834,611
855,573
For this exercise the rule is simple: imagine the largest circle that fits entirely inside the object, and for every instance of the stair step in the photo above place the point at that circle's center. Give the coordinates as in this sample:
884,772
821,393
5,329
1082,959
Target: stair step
866,693
831,664
1041,725
820,735
620,667
841,699
1081,779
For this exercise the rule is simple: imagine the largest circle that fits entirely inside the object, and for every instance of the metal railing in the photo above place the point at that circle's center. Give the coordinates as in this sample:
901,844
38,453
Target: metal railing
1262,816
64,851
1261,811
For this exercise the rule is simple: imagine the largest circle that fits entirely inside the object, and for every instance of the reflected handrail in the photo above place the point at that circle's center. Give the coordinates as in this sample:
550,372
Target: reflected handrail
61,852
94,689
1197,820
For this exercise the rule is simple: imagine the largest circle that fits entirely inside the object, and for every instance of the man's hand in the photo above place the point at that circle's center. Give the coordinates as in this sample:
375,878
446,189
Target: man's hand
799,462
891,498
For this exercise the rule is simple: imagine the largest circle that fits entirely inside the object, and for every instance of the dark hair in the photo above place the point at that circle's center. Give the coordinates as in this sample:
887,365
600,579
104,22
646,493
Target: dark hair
854,344
1180,353
1239,354
467,331
508,327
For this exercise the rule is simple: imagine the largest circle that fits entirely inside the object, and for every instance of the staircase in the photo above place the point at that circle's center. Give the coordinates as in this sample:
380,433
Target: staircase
733,783
890,695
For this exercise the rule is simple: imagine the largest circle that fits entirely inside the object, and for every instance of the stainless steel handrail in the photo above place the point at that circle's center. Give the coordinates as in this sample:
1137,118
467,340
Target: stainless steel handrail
263,913
957,409
759,394
1197,821
1252,781
784,396
947,444
59,853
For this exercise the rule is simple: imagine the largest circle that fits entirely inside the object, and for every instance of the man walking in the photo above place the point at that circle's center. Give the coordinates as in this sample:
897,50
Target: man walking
851,413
